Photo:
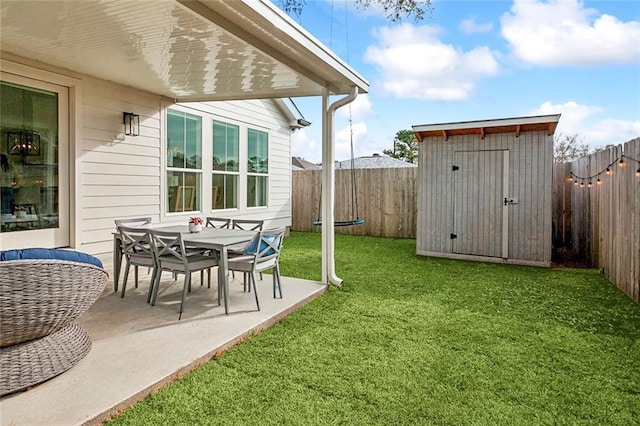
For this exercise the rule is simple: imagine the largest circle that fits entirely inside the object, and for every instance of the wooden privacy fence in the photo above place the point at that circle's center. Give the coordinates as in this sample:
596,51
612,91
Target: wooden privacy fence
602,222
386,201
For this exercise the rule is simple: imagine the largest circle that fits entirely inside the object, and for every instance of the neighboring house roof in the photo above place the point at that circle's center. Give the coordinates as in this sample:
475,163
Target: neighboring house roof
515,125
203,50
375,161
303,164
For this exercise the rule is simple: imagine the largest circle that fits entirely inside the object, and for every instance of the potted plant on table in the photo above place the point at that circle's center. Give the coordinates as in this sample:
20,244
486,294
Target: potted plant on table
195,224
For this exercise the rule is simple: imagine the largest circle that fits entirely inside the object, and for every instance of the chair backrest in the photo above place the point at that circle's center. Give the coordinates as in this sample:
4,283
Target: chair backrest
167,245
134,222
267,244
218,222
248,224
135,242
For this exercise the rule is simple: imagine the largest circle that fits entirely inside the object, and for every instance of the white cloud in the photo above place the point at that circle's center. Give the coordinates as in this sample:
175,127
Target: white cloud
310,148
305,146
564,32
414,63
611,131
343,140
470,26
361,108
584,121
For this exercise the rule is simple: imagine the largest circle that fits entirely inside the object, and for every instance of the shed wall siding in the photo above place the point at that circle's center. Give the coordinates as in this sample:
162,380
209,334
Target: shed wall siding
123,178
530,169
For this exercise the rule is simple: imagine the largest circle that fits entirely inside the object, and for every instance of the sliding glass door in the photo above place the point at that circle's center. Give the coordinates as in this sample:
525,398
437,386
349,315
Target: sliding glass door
34,163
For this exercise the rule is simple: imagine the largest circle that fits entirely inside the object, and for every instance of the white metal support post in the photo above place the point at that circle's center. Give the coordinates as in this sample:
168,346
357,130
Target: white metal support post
328,184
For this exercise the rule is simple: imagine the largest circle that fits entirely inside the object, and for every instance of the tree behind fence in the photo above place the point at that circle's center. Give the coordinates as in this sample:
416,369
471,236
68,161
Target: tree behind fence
602,223
386,201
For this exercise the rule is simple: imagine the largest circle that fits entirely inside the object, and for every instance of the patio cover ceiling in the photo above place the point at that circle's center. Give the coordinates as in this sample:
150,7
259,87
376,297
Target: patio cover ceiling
185,50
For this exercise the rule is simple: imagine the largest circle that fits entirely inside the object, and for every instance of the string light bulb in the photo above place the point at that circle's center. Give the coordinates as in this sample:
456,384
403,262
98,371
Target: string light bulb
588,180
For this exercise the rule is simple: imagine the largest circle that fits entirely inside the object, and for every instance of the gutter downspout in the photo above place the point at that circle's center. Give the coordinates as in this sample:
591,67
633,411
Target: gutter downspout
328,185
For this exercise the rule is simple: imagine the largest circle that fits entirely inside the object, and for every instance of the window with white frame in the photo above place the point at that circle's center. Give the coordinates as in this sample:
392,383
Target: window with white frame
184,161
226,166
257,168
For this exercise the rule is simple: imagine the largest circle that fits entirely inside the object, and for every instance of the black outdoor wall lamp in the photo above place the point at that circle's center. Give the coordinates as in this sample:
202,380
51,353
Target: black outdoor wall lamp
131,123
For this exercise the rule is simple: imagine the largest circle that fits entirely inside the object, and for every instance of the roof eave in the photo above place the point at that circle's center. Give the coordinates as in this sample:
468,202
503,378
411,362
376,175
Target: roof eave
515,125
319,64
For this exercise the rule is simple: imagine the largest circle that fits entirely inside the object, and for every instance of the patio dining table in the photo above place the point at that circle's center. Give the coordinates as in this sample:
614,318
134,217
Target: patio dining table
218,239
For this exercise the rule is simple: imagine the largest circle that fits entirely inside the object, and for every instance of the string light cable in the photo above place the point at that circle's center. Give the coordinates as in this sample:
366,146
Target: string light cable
621,161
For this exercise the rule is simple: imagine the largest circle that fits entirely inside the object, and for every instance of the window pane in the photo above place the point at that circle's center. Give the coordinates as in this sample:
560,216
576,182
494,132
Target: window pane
224,192
175,139
225,147
184,140
29,164
258,147
183,191
256,191
193,141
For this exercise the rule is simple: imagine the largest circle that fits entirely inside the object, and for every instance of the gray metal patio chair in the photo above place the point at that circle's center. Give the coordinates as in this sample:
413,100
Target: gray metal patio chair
172,256
133,222
248,224
245,225
218,222
136,248
261,254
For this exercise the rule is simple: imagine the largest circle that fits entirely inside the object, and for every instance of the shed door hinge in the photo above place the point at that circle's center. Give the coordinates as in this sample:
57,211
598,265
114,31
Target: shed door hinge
453,236
455,168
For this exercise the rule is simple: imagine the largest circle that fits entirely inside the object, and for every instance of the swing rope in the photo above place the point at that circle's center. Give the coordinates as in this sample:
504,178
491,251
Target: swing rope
355,217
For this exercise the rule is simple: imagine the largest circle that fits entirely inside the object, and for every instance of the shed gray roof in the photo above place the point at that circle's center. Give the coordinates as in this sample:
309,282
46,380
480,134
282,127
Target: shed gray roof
375,161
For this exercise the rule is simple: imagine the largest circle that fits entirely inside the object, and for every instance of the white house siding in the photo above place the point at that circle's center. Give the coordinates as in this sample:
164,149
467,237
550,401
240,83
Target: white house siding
530,169
117,178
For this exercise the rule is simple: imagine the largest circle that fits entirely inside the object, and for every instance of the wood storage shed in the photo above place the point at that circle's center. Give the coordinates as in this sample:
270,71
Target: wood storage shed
484,189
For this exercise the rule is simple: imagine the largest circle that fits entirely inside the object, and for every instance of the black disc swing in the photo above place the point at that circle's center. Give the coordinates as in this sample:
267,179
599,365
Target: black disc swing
355,217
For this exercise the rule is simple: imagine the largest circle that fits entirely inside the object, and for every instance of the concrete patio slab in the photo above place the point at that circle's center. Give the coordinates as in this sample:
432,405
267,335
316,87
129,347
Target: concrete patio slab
138,348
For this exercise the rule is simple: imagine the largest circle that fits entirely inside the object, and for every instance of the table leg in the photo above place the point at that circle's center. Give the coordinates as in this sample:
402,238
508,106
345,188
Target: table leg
223,279
117,261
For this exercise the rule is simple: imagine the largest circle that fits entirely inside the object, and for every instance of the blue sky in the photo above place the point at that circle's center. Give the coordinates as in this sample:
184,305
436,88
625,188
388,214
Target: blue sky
475,60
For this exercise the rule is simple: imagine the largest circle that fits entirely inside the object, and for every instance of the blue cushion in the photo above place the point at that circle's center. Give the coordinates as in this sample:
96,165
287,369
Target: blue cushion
43,253
252,246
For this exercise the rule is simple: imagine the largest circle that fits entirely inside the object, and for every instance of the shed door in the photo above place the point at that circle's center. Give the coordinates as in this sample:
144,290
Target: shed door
480,212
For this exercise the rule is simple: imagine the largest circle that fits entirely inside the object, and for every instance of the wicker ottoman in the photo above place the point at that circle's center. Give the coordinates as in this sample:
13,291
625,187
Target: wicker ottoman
39,300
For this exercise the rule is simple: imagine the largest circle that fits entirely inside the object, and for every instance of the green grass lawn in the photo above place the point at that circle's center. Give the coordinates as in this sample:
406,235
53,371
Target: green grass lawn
414,340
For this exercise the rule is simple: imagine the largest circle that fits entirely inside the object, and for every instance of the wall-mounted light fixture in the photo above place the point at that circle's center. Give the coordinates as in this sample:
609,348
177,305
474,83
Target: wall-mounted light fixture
23,142
303,123
131,123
